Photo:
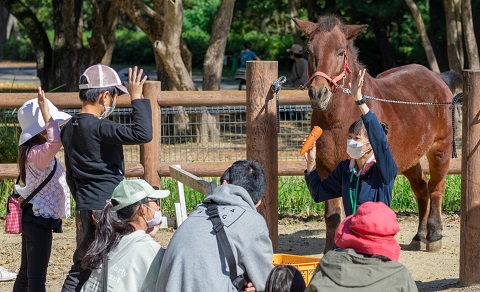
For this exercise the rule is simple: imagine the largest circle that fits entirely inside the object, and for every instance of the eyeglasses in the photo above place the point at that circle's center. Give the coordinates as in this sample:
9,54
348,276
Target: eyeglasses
157,201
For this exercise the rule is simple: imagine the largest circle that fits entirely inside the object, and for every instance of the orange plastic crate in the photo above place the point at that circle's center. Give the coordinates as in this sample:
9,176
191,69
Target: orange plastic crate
306,265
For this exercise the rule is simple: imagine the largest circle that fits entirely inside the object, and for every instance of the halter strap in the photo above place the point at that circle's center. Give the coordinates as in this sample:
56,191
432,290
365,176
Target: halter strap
332,82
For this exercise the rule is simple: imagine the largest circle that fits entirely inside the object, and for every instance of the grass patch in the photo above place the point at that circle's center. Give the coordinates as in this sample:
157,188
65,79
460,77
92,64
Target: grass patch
293,196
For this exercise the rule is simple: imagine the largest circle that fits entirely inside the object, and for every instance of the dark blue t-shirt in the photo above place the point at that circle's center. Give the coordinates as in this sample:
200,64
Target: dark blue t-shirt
246,55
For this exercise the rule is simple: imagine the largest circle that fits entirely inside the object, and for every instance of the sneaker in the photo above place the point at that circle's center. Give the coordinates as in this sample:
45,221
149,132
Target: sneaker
6,275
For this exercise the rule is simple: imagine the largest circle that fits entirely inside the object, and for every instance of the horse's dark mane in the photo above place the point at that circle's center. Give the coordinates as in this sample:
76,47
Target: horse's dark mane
328,22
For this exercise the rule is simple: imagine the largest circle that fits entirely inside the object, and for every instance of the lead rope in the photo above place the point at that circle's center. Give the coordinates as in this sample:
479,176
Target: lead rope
276,87
451,107
454,125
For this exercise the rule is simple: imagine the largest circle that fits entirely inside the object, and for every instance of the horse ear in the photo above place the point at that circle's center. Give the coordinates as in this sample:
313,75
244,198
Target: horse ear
352,31
306,26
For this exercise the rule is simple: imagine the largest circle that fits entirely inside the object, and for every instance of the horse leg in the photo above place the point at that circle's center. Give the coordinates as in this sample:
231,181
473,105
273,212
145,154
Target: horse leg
419,185
333,217
439,161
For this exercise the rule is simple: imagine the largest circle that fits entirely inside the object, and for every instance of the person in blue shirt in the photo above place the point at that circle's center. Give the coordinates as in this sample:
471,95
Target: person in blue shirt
369,174
245,55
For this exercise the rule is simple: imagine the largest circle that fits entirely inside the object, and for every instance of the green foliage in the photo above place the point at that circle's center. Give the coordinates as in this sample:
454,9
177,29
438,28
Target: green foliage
8,137
21,50
197,42
294,197
132,47
199,15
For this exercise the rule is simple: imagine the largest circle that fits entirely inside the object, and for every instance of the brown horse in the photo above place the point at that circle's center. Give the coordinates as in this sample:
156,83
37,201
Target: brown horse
415,130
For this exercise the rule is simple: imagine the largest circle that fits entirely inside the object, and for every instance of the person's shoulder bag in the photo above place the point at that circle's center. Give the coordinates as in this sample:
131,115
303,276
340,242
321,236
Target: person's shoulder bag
13,219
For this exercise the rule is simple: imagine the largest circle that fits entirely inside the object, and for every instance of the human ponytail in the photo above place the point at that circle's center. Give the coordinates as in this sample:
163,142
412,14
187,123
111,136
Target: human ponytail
384,127
109,233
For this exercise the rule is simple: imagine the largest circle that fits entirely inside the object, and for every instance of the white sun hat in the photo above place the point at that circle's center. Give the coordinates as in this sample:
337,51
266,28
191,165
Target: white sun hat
31,119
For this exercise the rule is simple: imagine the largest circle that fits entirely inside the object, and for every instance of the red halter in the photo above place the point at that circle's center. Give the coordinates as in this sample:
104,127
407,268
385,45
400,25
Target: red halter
332,82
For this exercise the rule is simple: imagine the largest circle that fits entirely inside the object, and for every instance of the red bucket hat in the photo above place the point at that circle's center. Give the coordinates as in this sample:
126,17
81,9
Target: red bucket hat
371,230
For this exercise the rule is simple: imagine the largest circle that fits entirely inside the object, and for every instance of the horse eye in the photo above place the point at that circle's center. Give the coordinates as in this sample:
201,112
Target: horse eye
341,54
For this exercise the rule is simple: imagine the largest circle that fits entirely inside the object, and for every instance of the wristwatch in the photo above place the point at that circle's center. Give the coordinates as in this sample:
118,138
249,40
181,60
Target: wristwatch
361,101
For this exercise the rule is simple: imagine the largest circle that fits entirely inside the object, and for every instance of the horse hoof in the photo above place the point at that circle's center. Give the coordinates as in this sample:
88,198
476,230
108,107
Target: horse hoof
416,245
434,246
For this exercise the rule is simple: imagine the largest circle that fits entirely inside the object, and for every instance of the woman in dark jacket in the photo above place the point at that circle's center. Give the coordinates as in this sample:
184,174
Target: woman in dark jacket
369,174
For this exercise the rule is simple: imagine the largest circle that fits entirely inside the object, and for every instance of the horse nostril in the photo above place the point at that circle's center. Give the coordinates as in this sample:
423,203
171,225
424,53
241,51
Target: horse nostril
311,92
324,90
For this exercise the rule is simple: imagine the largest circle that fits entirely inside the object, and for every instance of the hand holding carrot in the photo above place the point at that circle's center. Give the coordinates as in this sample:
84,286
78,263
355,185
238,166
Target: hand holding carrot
310,141
309,149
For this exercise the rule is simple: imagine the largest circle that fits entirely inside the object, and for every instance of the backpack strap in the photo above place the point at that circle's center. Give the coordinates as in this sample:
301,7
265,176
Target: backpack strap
218,227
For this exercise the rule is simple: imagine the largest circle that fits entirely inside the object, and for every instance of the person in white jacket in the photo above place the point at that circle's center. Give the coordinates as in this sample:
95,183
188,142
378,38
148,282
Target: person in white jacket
125,247
194,260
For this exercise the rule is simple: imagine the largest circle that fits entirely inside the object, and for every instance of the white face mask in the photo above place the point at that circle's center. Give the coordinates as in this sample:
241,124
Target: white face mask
354,149
157,218
108,110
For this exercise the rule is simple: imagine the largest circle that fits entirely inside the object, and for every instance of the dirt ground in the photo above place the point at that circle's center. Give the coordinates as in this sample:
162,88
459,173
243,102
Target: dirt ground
431,271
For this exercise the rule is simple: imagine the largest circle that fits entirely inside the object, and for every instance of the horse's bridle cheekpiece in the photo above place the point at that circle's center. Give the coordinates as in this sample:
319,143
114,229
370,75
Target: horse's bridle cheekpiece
332,82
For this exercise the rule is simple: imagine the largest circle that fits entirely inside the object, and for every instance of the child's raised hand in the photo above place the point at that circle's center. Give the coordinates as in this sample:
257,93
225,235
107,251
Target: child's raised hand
43,105
135,82
357,85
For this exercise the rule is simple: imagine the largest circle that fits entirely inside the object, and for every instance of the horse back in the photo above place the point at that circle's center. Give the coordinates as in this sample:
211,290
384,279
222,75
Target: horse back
422,84
415,128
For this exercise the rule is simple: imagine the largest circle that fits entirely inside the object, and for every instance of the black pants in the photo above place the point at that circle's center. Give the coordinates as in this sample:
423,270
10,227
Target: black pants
36,249
86,224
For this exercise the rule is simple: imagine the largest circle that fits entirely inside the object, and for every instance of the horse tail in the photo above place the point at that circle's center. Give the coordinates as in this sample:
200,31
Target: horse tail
454,81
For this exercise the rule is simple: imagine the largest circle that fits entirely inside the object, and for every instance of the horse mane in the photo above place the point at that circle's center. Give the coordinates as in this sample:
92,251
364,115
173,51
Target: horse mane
329,22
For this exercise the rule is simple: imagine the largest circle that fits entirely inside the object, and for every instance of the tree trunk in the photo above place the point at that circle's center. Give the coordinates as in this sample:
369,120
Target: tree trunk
423,34
38,36
151,20
69,55
454,36
169,46
213,62
3,28
470,41
297,37
387,53
458,21
105,17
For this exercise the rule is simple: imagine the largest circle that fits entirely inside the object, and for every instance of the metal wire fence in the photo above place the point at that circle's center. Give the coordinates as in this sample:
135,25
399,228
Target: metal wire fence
226,128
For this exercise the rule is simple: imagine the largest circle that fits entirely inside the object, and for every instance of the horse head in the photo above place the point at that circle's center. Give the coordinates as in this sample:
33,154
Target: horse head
330,46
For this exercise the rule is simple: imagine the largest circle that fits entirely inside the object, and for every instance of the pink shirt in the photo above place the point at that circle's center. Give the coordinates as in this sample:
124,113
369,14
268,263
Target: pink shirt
53,200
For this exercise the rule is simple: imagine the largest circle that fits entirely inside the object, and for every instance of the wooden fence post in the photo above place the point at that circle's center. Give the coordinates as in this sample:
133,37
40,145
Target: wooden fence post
470,204
149,152
262,143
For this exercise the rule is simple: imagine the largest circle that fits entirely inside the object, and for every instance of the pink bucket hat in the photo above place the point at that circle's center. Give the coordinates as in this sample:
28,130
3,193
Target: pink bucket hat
371,230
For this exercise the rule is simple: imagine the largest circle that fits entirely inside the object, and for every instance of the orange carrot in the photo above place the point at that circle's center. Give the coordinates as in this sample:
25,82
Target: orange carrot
314,135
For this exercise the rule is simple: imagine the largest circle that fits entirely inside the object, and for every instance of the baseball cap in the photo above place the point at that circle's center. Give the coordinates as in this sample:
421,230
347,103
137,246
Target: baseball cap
128,192
101,76
296,49
371,230
31,120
